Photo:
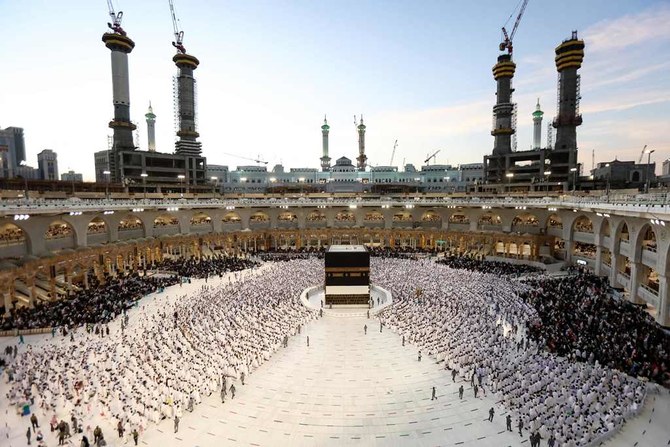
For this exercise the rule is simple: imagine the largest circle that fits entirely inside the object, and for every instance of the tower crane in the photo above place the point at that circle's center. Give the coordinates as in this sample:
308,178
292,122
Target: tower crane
178,34
506,44
427,160
395,145
642,154
115,24
256,160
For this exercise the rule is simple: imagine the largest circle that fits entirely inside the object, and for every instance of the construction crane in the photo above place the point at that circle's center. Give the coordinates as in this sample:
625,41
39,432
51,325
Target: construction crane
506,44
395,145
115,24
178,34
427,160
256,160
642,154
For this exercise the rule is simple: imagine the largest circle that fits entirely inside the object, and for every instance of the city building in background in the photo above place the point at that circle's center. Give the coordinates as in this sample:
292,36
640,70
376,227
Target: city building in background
71,176
12,151
47,165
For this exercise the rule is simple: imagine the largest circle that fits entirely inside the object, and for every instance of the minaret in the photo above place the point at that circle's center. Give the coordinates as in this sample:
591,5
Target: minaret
503,72
325,159
185,101
151,128
537,126
120,45
362,158
569,57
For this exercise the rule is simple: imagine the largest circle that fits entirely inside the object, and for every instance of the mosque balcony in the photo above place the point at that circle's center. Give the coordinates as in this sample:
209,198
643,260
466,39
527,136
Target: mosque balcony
555,231
623,279
526,229
648,294
624,248
606,269
459,226
649,258
652,206
580,236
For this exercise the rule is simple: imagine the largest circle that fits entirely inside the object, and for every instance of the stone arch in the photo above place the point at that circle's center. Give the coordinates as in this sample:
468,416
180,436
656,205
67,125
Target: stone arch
287,219
60,235
345,216
489,220
582,224
231,221
554,221
259,219
316,216
14,240
231,216
97,231
431,219
646,238
605,228
622,232
459,218
131,226
201,222
374,219
524,222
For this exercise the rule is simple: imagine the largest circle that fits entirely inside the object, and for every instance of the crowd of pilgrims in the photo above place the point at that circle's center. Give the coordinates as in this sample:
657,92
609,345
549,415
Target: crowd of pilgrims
579,318
476,324
553,351
289,254
495,267
94,306
160,364
98,304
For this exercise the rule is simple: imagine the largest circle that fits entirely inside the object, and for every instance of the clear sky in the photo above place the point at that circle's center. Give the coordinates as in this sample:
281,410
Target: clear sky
418,71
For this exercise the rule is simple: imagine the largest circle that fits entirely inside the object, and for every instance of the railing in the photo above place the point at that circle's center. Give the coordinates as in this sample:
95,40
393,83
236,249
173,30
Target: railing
655,204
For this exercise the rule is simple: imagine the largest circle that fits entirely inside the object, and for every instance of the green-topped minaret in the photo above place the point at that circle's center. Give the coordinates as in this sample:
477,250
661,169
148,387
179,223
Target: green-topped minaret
537,126
325,159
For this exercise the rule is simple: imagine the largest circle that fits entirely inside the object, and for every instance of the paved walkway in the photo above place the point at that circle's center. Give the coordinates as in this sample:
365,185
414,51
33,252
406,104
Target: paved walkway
346,388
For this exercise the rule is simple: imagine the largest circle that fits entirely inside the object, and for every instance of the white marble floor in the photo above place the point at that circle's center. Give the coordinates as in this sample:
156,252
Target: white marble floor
346,388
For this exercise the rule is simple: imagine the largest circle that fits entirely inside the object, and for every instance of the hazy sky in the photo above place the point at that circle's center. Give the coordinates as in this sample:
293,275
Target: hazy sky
419,71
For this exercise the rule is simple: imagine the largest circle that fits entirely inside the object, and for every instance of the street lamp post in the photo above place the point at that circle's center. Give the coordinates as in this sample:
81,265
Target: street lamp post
106,174
509,176
181,178
574,178
648,182
144,176
215,182
547,173
607,190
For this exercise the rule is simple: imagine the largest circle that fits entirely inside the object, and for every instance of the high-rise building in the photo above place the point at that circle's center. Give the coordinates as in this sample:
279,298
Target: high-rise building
102,166
12,151
47,165
71,176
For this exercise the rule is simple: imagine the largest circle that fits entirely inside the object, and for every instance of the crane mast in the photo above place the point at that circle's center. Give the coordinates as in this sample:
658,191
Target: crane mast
506,44
178,34
395,145
115,24
427,160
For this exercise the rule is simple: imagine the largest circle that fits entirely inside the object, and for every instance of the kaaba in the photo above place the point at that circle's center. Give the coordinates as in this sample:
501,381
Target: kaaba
347,275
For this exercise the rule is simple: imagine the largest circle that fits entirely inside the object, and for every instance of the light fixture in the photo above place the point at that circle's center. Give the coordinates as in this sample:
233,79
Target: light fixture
106,173
138,210
181,176
353,206
144,175
75,213
108,212
21,217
